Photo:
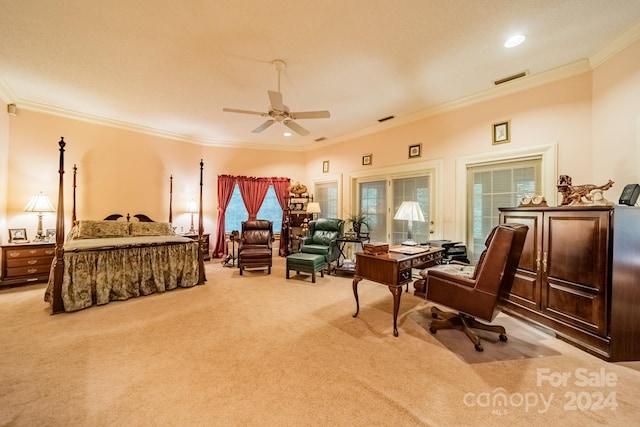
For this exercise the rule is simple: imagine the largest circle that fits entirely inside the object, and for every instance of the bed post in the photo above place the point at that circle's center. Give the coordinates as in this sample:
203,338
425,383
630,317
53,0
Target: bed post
201,275
57,306
171,200
73,213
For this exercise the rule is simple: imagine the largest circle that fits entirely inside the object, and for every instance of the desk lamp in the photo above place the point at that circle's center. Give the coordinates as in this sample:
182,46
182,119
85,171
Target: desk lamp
409,211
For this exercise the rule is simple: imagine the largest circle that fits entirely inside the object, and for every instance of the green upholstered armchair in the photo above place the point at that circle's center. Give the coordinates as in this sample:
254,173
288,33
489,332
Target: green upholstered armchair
322,238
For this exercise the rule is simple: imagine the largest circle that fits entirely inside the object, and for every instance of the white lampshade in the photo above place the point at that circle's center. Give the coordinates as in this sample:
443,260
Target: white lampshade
39,203
313,207
410,211
192,207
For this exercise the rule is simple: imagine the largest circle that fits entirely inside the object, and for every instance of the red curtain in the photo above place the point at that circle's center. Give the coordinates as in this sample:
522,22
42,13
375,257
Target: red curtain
253,191
225,191
281,188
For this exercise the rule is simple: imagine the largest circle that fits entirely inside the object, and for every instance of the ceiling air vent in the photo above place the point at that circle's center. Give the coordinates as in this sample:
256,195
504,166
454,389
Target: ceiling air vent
384,119
508,79
322,138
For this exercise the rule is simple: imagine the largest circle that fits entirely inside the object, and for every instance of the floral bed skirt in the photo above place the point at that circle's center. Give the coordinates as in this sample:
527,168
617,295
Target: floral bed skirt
99,276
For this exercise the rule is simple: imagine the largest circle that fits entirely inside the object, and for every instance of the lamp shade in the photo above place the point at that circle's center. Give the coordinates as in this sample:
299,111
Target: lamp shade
192,207
39,203
313,207
410,211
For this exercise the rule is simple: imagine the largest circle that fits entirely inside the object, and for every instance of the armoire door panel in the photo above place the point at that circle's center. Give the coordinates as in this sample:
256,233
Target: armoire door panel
578,307
573,249
525,291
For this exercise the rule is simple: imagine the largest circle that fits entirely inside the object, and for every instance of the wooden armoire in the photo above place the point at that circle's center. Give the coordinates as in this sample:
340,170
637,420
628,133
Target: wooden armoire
579,276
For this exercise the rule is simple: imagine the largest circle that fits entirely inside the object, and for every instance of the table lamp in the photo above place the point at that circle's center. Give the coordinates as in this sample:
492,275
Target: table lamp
39,203
409,211
192,208
313,208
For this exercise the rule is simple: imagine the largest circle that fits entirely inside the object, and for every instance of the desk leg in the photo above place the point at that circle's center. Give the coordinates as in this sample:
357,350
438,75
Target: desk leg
396,291
356,280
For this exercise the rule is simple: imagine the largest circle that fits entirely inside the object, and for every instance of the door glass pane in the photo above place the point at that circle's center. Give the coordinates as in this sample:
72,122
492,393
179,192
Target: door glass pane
373,203
415,189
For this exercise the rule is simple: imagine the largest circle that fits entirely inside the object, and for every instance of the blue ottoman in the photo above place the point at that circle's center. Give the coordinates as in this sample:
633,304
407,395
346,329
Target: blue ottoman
307,263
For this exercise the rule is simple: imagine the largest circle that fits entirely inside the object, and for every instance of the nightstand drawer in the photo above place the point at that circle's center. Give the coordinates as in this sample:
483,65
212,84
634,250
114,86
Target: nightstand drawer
26,252
29,262
28,271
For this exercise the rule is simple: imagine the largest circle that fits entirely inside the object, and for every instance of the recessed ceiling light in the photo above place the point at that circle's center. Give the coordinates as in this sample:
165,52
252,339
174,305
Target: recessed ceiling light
287,134
514,41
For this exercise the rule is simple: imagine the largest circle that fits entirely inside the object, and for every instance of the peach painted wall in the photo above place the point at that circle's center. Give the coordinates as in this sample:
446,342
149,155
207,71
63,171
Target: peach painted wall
616,117
120,171
4,166
559,112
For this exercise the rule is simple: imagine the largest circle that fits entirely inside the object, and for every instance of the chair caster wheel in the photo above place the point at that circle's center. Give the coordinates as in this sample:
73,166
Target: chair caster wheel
479,347
433,330
503,337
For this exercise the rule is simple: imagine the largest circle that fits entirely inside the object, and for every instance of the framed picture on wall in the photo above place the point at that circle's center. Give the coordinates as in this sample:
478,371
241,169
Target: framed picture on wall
325,166
501,132
18,235
415,151
366,160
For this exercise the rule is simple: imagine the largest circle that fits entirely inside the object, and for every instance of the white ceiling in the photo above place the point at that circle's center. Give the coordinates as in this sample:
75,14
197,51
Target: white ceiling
170,67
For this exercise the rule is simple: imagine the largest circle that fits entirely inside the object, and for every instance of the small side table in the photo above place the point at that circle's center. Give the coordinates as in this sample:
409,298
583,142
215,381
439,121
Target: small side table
230,259
204,245
341,243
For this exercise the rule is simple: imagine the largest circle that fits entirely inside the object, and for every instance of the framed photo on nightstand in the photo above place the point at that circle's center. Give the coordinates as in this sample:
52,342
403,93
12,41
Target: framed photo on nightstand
18,235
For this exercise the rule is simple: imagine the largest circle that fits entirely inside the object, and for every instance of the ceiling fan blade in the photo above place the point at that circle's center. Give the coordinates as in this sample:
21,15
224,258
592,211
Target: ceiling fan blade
276,100
234,110
310,115
296,127
263,126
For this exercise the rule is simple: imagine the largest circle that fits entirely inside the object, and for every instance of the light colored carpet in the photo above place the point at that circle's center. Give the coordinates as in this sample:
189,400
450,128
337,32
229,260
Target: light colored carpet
263,350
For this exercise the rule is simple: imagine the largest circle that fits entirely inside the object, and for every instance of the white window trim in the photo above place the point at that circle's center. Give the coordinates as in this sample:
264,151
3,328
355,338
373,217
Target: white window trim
432,167
549,171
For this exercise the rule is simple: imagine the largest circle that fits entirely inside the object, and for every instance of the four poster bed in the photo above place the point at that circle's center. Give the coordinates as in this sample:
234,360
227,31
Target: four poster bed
119,258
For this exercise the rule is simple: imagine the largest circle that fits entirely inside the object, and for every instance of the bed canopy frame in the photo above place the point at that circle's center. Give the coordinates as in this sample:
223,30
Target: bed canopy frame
57,305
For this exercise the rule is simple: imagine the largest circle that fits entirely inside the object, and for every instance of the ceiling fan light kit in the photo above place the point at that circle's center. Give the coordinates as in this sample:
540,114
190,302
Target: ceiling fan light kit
280,113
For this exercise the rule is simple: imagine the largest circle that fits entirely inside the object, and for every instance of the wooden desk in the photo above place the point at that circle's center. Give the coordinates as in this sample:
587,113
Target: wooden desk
394,270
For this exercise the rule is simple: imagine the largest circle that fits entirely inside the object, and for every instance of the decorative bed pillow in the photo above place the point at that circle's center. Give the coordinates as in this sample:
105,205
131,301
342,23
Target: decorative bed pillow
89,229
151,229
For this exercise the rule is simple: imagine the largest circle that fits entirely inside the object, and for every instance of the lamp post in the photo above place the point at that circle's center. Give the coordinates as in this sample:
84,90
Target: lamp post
39,203
409,211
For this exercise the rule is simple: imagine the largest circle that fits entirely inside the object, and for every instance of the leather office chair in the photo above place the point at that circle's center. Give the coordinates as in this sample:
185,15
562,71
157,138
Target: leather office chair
480,294
322,237
255,245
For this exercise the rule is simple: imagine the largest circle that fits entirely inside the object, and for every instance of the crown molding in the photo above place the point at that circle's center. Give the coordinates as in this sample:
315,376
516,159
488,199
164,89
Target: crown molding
627,38
88,118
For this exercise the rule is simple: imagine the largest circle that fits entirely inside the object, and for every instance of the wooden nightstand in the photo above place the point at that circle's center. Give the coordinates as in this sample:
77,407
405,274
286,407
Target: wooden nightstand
204,245
27,262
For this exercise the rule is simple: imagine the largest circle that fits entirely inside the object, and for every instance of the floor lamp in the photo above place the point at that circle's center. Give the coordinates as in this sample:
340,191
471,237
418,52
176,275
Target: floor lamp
409,211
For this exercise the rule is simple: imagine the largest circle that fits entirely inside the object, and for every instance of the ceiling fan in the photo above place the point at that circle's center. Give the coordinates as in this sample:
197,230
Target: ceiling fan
278,112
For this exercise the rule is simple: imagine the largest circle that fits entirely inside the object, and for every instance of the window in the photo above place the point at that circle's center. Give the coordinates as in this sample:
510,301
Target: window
237,212
414,189
327,197
492,186
379,198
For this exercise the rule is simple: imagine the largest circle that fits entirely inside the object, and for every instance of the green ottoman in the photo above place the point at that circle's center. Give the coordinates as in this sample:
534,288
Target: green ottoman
307,263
